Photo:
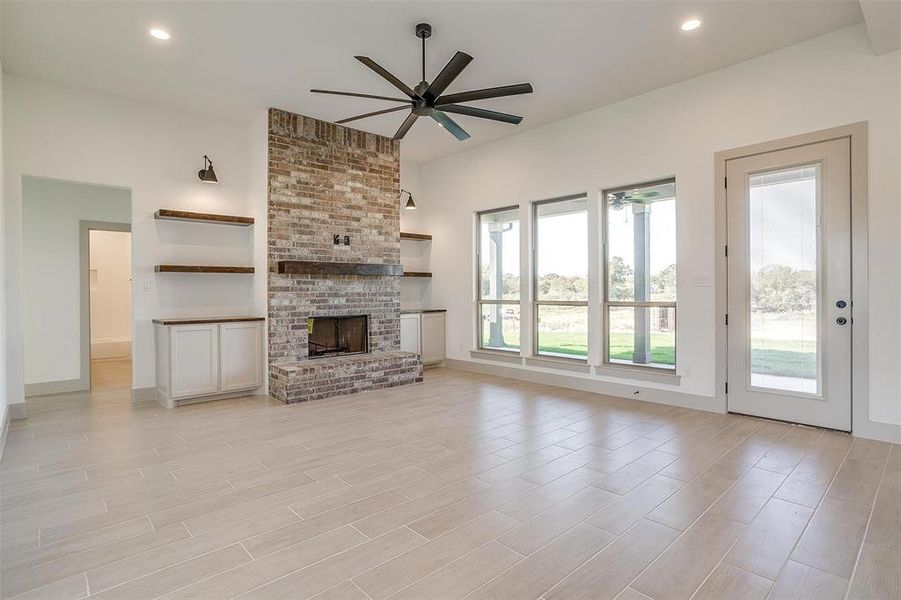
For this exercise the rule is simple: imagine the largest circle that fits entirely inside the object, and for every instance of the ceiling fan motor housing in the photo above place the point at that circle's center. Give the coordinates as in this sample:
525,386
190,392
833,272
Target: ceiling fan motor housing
423,30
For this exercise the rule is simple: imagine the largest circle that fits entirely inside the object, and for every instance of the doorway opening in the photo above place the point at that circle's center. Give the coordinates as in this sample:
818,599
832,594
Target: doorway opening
109,282
58,218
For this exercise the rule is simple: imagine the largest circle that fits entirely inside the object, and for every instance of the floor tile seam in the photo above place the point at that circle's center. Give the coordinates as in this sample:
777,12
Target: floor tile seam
866,530
430,573
366,541
810,520
175,564
699,517
542,547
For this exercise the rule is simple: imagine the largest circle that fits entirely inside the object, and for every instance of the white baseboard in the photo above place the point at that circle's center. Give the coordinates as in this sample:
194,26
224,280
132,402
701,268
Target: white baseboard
143,394
587,384
874,430
65,386
12,412
4,427
17,411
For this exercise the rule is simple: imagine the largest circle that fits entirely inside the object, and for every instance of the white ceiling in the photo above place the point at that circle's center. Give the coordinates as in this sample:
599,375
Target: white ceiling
233,59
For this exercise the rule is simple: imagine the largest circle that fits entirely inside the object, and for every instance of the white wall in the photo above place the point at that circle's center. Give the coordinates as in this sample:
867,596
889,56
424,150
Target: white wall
4,380
832,80
63,133
51,283
415,292
110,291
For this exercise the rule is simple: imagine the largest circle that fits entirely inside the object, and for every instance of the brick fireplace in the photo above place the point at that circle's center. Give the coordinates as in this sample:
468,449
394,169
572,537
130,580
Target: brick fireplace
326,180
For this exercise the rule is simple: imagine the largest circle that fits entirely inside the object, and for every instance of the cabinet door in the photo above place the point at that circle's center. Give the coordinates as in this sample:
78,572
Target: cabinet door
194,355
409,333
240,356
432,337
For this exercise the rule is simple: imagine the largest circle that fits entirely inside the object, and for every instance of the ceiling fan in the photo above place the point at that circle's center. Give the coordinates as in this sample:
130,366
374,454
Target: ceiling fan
428,99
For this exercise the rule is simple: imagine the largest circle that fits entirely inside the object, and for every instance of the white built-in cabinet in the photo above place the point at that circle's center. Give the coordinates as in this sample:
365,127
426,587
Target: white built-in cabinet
410,333
206,361
423,333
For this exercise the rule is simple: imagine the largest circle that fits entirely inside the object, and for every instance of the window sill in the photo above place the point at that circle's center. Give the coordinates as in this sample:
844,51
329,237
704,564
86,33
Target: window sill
496,355
565,364
639,373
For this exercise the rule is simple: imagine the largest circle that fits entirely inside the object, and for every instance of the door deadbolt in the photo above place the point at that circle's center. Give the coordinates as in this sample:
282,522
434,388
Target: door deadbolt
841,320
841,304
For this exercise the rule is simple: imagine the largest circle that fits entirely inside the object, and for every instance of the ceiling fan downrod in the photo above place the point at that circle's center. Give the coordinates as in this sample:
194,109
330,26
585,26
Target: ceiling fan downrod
423,31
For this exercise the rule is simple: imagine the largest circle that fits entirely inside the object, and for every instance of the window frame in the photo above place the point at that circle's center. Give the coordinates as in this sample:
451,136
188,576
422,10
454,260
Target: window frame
607,304
480,302
536,303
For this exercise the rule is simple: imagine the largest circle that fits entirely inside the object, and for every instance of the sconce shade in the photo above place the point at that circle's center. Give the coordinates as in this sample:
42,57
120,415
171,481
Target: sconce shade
410,205
207,174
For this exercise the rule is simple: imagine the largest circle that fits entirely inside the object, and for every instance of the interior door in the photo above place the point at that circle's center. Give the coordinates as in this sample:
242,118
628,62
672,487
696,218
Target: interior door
789,284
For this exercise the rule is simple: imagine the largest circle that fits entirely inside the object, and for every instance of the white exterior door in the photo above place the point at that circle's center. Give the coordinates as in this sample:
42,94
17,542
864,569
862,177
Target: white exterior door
240,356
194,360
789,284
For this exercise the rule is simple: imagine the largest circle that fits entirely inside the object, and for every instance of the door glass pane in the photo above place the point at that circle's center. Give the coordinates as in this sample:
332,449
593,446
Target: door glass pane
644,336
783,253
563,331
500,326
499,255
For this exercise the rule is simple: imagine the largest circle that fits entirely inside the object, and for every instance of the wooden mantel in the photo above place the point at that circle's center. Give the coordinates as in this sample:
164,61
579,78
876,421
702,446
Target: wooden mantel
309,267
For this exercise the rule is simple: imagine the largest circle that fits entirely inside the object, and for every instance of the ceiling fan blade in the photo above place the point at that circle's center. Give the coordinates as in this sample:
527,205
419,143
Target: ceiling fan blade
449,124
495,92
481,113
356,95
386,75
450,71
405,126
374,113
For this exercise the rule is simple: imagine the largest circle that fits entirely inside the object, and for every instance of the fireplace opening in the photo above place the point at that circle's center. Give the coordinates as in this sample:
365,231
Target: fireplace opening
336,336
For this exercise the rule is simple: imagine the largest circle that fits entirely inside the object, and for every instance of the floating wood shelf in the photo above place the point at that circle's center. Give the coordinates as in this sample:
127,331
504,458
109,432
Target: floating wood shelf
167,214
414,236
203,320
200,269
308,267
416,274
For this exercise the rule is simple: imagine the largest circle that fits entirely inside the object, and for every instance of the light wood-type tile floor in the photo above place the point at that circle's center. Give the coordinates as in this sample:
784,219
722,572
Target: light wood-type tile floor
465,486
110,373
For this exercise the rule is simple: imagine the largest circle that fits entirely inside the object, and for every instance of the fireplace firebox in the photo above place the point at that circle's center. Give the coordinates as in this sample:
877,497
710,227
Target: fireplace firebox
337,336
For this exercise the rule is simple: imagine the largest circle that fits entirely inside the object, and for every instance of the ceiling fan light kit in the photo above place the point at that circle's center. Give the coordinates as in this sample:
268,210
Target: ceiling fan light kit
427,99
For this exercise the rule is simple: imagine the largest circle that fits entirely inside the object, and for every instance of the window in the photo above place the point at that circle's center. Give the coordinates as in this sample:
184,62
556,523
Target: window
498,260
561,277
640,265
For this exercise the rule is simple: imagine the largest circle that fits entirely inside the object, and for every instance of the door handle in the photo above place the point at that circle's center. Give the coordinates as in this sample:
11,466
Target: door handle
841,304
841,320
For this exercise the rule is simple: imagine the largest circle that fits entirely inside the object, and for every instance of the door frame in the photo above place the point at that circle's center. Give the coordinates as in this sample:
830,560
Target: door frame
858,136
84,295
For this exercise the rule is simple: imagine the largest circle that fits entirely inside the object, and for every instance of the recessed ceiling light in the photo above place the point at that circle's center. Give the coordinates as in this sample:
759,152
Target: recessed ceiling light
160,34
691,24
